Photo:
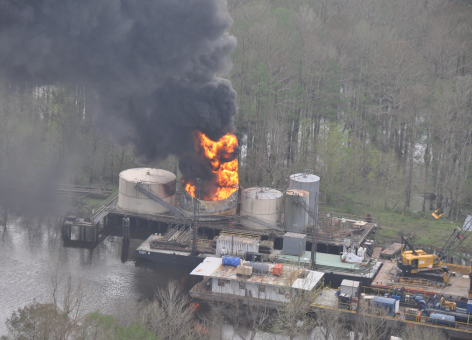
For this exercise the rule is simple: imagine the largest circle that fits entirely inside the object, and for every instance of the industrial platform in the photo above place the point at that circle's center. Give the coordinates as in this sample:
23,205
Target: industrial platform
388,274
171,256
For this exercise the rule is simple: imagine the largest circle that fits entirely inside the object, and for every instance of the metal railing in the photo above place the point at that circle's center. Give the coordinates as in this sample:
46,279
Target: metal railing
102,207
311,212
416,282
173,210
261,222
458,268
416,317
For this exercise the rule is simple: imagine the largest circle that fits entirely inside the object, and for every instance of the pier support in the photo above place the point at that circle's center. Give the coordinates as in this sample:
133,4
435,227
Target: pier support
5,218
124,251
126,231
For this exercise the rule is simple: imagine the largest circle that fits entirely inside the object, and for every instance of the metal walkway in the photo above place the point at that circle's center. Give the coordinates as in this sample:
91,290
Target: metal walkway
103,210
173,210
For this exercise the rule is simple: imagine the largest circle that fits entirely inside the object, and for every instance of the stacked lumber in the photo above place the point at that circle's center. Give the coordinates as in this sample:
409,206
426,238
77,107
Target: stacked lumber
266,247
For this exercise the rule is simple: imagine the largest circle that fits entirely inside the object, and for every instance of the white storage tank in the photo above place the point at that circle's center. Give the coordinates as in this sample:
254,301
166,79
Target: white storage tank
296,218
160,182
262,203
308,182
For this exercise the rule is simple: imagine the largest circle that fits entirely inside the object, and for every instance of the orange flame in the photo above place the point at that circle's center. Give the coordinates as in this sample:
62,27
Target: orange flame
227,179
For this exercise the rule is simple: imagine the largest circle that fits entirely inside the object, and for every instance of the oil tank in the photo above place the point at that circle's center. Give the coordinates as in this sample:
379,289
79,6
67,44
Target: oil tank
262,203
160,182
207,209
442,319
308,182
296,218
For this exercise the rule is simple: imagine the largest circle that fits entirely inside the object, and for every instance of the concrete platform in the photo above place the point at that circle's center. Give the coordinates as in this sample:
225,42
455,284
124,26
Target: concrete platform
391,251
376,252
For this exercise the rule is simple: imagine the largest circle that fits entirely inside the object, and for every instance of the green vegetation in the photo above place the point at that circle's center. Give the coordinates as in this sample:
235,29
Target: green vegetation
374,97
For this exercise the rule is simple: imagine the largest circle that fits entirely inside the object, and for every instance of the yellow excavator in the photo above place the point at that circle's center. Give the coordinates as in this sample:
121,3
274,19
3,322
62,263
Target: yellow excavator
417,262
438,213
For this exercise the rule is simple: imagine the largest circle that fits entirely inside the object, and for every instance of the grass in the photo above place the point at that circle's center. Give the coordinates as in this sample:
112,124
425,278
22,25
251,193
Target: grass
94,203
424,229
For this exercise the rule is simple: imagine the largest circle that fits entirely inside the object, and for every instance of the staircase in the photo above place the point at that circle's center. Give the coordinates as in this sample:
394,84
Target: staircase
311,212
173,210
103,209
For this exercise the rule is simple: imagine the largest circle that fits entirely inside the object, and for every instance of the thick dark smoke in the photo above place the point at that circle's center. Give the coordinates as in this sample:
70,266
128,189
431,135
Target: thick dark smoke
150,63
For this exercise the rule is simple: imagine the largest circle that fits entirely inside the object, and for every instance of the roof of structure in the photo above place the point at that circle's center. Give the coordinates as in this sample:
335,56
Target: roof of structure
290,277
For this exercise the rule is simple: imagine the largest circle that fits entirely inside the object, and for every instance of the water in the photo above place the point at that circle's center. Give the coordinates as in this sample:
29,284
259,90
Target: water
31,253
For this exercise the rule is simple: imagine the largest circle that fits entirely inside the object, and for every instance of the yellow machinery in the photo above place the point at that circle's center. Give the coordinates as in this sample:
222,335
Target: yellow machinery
438,213
417,261
448,304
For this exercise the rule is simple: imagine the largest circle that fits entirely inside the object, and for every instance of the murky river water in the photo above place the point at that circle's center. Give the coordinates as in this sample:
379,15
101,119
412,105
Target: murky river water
29,255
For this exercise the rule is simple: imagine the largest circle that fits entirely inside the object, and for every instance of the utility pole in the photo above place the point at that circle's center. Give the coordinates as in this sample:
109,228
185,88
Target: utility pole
314,237
196,208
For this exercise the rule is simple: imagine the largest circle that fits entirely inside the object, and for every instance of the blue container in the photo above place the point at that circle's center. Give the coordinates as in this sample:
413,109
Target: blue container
385,303
442,319
418,298
231,261
469,307
422,302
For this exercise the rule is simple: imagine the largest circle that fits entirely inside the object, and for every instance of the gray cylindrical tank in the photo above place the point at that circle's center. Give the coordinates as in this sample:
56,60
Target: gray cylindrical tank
160,182
296,218
308,182
263,203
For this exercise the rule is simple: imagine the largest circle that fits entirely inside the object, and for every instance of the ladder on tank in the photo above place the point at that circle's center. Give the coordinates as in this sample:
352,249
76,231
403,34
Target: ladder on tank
311,212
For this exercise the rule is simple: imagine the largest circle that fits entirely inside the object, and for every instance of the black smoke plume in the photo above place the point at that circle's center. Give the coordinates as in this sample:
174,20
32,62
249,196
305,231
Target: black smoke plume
150,64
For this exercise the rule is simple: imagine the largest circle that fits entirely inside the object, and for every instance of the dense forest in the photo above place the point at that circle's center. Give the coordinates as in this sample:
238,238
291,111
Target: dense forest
374,96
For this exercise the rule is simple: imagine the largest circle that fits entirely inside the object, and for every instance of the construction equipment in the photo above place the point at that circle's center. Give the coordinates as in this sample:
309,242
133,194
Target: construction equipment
438,213
430,266
417,261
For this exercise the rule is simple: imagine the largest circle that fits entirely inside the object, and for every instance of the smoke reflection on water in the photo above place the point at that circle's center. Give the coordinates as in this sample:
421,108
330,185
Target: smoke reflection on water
29,254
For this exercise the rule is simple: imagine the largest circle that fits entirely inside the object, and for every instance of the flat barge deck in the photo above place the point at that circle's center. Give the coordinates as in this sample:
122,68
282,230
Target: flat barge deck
387,278
170,256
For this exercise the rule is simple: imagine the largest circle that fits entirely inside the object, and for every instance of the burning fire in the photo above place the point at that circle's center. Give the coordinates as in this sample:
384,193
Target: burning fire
217,153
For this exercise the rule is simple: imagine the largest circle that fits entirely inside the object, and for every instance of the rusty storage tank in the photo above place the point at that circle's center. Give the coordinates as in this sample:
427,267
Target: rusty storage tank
158,181
261,203
208,208
308,182
296,218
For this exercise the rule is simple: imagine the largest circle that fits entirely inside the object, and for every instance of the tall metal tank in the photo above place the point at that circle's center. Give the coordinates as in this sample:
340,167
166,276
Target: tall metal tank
160,182
226,206
308,182
296,218
262,203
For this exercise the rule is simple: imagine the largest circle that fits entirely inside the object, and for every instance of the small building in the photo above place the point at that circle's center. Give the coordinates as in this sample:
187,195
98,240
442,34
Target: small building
349,287
222,282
